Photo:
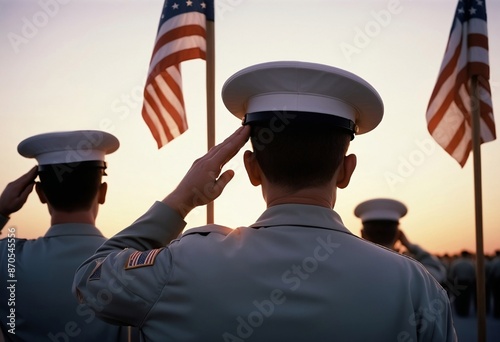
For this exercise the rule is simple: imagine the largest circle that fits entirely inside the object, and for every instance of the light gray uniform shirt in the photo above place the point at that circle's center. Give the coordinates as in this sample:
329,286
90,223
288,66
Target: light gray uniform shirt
431,263
36,303
297,274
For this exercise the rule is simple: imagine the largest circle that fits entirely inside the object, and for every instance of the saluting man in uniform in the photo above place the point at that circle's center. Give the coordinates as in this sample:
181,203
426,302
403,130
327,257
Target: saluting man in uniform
380,218
297,273
36,302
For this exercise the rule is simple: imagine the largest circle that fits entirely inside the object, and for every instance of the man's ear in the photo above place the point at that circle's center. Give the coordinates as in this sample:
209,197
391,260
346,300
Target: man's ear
103,188
40,193
346,170
253,168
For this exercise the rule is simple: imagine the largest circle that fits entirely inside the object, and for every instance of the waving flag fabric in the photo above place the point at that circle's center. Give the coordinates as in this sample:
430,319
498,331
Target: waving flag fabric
449,111
181,36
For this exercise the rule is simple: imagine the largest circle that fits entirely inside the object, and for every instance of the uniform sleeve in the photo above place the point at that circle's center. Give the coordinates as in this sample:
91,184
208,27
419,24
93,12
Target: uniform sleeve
432,315
438,317
124,278
447,318
156,228
430,262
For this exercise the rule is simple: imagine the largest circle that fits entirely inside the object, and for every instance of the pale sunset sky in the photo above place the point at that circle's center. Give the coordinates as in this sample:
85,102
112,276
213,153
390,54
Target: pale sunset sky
82,64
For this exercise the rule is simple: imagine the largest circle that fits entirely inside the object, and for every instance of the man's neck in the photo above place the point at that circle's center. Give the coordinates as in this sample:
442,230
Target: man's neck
59,217
319,196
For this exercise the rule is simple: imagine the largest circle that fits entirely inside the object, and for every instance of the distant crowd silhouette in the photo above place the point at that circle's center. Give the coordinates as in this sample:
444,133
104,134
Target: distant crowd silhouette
460,282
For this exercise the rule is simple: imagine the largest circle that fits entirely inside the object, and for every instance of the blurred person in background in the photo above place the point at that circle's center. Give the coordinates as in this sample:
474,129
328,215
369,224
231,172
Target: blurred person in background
462,273
380,219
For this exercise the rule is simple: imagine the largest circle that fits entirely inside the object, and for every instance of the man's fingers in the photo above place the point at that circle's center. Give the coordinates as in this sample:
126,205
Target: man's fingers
16,192
31,174
230,147
28,177
27,190
223,180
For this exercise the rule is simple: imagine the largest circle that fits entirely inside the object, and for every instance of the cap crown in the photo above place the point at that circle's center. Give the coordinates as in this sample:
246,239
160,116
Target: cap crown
380,209
68,147
303,87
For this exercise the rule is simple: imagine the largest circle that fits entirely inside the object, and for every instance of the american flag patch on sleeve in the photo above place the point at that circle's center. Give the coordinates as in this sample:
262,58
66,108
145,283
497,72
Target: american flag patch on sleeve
140,259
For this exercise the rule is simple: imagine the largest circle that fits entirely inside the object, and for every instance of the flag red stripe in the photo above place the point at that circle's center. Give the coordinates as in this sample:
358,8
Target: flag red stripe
162,120
485,109
447,72
478,39
457,138
478,68
156,109
177,33
174,114
488,119
465,156
175,59
451,96
152,128
148,98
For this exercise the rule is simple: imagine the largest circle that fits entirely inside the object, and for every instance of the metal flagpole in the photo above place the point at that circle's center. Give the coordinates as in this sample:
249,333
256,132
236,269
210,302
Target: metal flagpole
480,276
210,58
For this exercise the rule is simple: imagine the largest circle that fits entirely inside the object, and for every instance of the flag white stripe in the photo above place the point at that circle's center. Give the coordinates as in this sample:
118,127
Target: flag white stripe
175,46
192,18
172,126
156,121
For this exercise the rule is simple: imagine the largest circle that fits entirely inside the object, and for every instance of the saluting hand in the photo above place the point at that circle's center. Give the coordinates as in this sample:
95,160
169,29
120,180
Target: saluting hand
204,182
16,193
403,239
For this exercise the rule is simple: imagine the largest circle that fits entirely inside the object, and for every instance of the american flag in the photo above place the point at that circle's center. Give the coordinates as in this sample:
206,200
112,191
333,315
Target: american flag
181,36
466,55
140,259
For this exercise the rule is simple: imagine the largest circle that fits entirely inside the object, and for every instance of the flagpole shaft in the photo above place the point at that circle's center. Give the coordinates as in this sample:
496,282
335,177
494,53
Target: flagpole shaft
480,270
210,59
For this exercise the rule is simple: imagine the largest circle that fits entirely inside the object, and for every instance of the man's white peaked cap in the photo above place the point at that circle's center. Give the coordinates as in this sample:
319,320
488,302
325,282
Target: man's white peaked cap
293,86
68,147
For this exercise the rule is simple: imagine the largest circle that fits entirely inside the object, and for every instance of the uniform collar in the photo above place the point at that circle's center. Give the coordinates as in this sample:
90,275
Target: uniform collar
73,229
301,215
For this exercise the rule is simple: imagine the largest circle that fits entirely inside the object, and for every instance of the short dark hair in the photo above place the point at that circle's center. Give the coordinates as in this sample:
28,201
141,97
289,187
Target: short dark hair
71,187
299,155
382,232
